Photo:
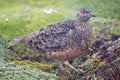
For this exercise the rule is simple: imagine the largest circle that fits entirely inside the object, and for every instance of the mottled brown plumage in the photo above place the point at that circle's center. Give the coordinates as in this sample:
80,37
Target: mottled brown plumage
64,40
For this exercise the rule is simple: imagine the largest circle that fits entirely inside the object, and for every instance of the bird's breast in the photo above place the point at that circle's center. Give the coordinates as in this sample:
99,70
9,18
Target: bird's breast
66,54
82,36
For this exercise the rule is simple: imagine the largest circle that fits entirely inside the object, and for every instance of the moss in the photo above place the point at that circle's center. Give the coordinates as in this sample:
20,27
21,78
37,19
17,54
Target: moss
10,71
5,53
44,67
104,28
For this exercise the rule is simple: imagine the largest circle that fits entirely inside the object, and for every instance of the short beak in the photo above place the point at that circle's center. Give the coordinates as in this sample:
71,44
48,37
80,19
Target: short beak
92,15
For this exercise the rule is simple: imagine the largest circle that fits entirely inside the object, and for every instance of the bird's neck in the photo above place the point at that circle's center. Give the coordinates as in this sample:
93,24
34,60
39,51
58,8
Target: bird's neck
81,24
82,34
83,29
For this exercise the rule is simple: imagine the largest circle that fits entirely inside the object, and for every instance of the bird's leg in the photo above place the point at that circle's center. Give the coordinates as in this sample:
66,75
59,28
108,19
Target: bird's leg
60,71
72,67
63,69
61,66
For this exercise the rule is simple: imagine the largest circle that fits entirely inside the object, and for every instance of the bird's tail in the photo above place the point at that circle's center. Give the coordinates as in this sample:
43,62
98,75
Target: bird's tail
27,38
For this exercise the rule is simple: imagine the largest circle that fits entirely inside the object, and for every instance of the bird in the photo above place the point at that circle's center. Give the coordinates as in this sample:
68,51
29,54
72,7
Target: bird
63,40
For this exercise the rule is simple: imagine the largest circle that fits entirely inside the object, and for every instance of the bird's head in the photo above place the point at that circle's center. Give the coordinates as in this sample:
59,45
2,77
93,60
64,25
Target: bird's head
84,14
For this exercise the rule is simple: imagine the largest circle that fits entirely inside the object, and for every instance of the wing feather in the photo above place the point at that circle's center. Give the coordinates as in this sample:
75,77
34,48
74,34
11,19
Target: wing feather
53,37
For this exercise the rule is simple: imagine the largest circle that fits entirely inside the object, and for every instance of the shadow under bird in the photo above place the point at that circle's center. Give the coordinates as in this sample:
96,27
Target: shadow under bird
63,40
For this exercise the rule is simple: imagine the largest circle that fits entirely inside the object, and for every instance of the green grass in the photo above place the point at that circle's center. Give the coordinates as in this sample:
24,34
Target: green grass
25,17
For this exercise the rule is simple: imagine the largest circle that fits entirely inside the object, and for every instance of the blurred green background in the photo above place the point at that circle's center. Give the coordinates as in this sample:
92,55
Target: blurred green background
20,17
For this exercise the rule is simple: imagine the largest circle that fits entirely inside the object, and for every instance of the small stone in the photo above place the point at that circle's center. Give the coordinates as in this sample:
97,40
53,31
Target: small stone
49,11
6,20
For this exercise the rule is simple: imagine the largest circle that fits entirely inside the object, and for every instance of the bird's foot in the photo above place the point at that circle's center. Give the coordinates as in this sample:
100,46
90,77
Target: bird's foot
79,71
73,68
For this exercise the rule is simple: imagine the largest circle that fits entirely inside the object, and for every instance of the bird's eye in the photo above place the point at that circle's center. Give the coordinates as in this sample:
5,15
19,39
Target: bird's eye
82,11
